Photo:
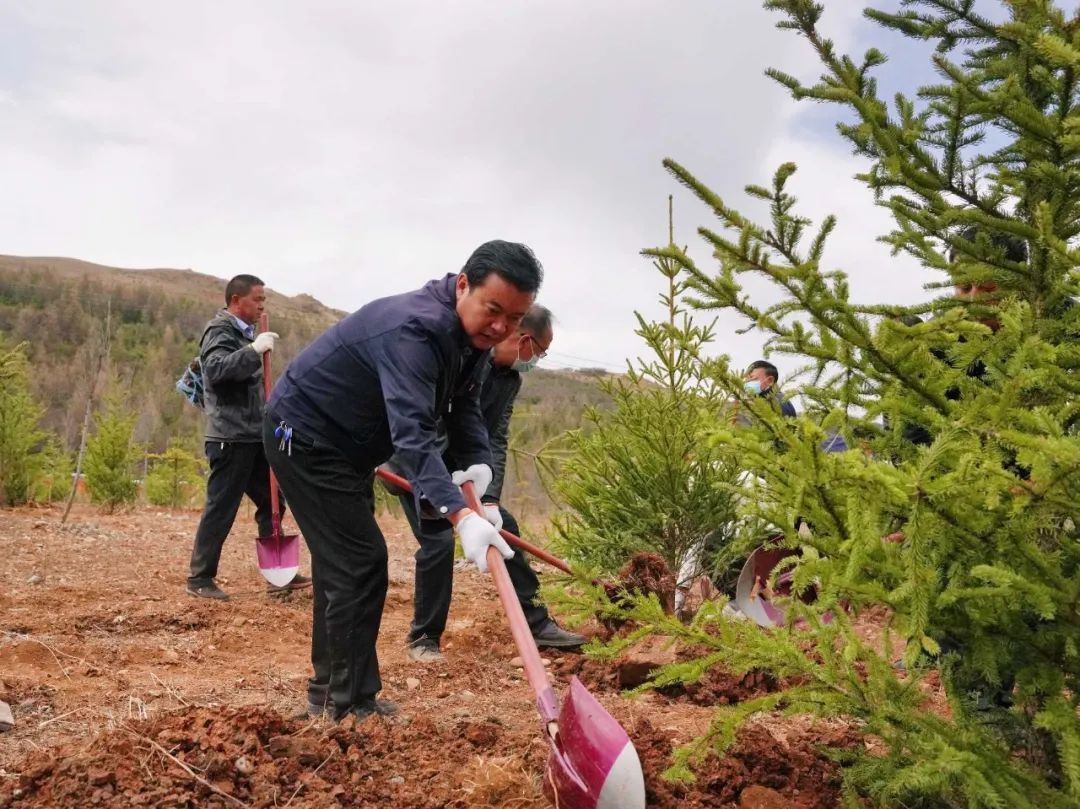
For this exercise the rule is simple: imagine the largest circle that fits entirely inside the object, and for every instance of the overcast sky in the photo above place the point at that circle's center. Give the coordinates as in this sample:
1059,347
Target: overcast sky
353,150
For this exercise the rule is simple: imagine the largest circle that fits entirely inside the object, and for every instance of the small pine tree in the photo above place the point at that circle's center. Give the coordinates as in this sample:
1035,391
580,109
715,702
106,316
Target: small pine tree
54,480
640,477
111,456
175,478
985,583
20,437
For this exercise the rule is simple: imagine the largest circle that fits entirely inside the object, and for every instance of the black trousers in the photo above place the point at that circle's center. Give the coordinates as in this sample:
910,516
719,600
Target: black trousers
333,503
236,469
434,581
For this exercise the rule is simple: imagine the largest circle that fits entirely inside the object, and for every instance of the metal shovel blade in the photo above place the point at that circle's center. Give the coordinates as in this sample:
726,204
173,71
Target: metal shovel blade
593,763
753,598
279,558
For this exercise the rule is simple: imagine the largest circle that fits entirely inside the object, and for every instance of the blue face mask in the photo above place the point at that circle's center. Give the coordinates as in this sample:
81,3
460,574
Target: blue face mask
753,387
521,366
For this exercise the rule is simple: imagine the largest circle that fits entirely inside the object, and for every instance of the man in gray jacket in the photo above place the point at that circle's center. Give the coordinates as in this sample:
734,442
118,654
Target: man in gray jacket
518,353
231,358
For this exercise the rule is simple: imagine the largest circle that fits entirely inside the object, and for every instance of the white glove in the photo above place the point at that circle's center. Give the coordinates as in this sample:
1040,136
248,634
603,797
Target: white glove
264,342
477,534
478,473
493,515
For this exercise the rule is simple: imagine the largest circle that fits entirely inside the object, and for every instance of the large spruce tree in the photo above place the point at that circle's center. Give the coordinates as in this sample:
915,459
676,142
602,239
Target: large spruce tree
962,414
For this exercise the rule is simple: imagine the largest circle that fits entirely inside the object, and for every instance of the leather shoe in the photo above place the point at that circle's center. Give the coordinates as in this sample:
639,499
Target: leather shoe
554,636
207,590
298,583
382,707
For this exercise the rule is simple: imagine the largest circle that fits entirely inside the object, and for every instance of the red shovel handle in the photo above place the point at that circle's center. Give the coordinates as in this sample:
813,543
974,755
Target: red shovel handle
546,701
275,513
513,539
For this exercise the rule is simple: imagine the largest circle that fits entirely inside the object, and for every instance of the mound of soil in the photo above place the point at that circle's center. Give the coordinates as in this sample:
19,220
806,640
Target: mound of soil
253,757
645,573
793,769
719,687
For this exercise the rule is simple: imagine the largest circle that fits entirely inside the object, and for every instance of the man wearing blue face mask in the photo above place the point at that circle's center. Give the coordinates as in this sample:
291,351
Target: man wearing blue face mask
509,359
761,379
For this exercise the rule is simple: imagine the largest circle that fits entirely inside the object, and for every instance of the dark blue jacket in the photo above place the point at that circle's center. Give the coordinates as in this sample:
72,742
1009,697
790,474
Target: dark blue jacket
376,384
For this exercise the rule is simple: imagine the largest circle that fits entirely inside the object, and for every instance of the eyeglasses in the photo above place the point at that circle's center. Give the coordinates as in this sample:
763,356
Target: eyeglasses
538,350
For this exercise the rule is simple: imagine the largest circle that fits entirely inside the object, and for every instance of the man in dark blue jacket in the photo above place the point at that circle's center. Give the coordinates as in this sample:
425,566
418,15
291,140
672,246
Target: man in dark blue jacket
374,385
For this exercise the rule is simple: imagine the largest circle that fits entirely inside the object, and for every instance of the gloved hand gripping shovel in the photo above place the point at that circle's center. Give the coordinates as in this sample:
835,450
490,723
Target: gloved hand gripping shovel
399,482
593,763
278,554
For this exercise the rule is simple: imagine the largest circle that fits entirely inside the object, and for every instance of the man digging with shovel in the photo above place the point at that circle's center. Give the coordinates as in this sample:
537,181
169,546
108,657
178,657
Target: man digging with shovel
378,384
517,354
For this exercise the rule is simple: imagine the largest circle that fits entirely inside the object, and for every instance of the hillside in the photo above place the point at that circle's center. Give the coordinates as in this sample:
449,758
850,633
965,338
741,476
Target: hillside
58,306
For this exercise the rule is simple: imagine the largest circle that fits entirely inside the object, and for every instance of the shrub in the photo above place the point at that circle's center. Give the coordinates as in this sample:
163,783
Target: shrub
640,477
20,437
111,456
175,478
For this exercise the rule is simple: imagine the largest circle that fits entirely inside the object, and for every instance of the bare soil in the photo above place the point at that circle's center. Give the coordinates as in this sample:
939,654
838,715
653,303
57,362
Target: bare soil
128,692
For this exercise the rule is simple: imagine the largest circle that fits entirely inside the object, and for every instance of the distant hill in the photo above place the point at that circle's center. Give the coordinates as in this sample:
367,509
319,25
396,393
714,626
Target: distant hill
58,306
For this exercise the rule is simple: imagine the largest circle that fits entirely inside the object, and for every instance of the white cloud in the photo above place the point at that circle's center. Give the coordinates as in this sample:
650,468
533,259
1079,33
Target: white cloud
356,150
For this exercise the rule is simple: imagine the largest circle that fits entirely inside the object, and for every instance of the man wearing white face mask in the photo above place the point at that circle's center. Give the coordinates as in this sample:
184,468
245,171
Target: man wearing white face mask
512,357
761,379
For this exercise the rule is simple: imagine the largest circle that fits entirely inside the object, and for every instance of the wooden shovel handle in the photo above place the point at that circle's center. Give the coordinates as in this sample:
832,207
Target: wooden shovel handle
546,701
275,511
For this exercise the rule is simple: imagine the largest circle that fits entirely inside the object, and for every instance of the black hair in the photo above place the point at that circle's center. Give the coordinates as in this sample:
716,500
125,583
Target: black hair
241,285
537,320
769,368
514,263
1014,249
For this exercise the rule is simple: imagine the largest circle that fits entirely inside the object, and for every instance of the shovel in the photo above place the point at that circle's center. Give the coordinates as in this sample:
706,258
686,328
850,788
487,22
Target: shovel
756,599
593,763
279,554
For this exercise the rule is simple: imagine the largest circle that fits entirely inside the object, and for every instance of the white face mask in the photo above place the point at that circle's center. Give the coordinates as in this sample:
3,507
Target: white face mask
521,366
753,386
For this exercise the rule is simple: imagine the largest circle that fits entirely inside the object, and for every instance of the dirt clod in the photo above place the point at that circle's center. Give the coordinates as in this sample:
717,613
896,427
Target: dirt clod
645,573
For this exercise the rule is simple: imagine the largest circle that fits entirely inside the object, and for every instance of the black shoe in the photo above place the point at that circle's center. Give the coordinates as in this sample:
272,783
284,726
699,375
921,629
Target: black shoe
319,710
425,650
207,590
554,636
382,707
298,583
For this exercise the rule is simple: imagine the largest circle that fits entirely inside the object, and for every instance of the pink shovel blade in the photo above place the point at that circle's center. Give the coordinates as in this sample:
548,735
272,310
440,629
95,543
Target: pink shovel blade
279,558
750,595
593,763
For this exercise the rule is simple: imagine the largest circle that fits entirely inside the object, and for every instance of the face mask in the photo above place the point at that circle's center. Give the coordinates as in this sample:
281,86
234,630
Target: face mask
753,387
521,366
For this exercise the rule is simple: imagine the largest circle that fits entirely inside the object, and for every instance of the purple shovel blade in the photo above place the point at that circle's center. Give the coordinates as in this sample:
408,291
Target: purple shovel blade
279,558
593,763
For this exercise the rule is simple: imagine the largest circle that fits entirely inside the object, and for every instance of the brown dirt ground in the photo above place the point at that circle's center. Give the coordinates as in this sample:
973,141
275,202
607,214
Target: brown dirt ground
128,692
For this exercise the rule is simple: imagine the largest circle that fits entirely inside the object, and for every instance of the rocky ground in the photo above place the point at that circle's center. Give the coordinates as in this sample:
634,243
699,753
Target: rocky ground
128,692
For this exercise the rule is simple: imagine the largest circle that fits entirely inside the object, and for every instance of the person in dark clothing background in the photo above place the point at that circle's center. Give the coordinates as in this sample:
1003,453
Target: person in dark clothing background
377,384
515,355
762,378
231,359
